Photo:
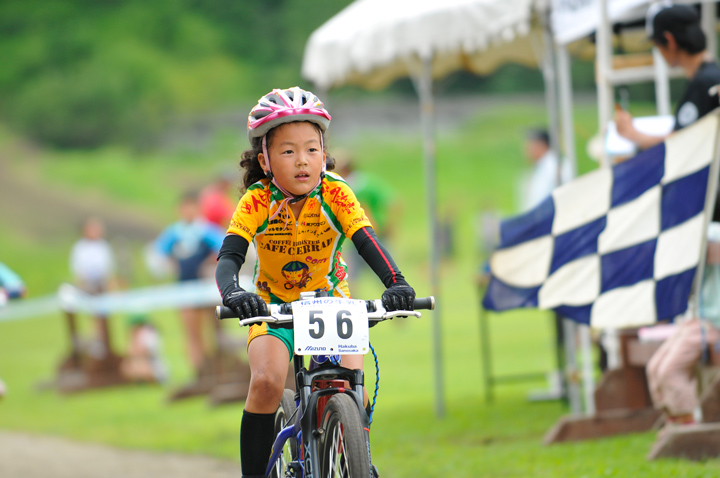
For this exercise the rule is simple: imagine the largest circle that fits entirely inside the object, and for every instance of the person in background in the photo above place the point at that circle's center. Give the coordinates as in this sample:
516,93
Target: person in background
143,362
192,243
537,186
11,287
544,177
92,265
377,200
375,196
92,261
217,207
671,380
216,204
671,376
676,32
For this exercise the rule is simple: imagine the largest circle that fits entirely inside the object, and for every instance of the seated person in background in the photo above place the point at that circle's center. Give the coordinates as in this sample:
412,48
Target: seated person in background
672,384
143,362
670,374
676,32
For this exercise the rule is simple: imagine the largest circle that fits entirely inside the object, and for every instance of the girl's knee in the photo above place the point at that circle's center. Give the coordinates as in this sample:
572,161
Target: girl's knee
267,387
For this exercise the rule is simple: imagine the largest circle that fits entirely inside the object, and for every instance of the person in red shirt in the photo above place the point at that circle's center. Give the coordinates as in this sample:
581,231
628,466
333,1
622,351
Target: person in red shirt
216,204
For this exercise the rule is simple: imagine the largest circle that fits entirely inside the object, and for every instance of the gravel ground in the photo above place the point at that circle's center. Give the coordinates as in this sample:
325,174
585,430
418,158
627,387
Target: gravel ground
30,456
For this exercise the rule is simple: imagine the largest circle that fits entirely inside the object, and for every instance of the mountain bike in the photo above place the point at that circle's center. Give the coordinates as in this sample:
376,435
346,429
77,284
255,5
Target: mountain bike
322,429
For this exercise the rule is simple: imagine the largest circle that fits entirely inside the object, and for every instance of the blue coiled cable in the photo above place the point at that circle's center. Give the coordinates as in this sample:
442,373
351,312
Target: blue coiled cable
377,385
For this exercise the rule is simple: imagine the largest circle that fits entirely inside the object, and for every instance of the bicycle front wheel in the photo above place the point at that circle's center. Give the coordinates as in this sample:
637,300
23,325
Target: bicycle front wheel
345,451
282,415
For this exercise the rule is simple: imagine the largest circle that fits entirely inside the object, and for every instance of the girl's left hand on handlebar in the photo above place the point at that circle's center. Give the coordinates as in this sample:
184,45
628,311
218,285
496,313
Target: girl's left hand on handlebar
398,297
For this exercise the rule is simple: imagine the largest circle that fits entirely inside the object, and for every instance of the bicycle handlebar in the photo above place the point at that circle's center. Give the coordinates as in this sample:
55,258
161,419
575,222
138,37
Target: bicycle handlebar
376,312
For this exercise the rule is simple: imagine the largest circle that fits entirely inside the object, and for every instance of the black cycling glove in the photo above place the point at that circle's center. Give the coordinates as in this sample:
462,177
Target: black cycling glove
245,304
398,297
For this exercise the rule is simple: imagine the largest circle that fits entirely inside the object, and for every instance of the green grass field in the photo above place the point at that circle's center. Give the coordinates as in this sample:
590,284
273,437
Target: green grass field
477,169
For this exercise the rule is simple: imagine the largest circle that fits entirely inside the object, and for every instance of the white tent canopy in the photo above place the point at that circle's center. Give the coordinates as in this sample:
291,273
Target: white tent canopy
372,42
572,21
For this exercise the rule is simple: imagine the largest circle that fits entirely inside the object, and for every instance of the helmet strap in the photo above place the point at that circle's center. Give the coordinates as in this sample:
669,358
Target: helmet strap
268,171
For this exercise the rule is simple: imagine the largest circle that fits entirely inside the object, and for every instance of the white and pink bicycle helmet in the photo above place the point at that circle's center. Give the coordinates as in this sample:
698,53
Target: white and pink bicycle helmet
284,106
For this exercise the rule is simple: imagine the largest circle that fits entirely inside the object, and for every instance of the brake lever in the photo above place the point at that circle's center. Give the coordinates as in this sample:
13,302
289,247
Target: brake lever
260,319
401,313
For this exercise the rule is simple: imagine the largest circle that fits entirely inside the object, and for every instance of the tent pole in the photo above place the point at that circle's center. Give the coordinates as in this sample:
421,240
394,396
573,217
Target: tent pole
566,122
549,70
709,26
556,85
603,67
566,110
662,83
423,85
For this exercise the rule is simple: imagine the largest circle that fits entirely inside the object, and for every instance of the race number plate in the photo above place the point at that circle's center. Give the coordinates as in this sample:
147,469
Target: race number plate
330,325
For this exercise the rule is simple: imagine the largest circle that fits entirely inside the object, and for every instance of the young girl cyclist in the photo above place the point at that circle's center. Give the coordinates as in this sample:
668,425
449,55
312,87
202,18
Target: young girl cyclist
298,215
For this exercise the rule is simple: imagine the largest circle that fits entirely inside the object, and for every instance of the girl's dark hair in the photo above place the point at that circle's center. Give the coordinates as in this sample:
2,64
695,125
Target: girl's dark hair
249,159
683,22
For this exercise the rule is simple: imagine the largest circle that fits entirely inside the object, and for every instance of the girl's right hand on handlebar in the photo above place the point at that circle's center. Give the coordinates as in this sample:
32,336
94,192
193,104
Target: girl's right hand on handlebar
398,297
245,304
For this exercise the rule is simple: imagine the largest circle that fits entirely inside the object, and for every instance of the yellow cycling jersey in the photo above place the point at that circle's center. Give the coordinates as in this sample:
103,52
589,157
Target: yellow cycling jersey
298,254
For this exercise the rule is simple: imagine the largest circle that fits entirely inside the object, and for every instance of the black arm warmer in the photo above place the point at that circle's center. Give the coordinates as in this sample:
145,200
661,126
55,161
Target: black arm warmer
377,257
230,258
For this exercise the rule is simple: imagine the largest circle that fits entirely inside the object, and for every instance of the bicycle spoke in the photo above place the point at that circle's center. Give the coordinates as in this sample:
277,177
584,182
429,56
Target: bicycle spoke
336,458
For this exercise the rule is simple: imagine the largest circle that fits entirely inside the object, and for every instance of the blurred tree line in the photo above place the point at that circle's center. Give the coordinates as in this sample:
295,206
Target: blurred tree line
84,73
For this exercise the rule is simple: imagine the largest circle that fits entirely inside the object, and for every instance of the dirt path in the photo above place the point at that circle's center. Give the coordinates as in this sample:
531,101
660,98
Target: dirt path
31,456
41,211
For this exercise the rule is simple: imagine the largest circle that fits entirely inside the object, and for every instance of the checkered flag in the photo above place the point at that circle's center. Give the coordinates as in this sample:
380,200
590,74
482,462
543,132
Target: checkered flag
618,247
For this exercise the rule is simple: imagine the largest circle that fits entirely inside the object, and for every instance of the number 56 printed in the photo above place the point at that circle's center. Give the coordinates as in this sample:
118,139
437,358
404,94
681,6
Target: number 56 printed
330,325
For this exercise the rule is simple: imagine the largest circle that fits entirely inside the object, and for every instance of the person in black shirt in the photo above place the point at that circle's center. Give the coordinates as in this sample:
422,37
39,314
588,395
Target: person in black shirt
676,32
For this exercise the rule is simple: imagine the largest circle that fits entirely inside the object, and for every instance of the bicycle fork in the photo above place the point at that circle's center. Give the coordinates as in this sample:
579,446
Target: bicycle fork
306,428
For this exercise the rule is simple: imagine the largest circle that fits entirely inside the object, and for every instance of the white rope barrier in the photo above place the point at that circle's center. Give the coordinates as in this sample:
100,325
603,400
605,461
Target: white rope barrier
198,293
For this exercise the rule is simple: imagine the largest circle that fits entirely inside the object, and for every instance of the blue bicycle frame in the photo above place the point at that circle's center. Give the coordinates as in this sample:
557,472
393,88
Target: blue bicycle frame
304,420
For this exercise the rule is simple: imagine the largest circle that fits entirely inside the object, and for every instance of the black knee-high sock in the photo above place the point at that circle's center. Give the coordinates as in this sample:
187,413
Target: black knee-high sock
257,434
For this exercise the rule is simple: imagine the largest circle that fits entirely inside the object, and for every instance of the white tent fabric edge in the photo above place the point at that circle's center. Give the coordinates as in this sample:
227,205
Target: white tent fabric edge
372,34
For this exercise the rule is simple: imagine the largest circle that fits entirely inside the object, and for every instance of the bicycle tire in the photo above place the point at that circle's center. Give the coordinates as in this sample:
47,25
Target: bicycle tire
283,413
344,450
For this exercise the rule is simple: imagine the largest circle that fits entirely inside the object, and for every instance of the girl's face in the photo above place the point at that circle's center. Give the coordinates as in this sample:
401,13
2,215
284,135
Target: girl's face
296,156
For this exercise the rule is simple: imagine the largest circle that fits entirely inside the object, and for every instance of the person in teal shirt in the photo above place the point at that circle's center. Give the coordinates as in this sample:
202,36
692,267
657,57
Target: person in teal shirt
11,285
